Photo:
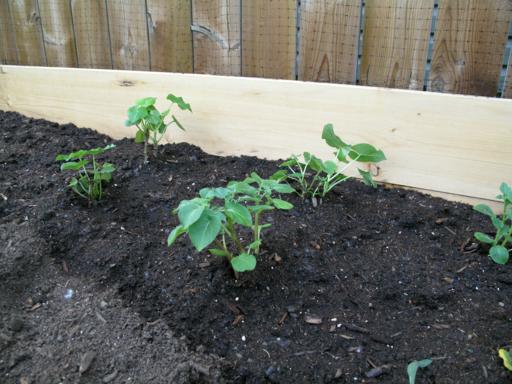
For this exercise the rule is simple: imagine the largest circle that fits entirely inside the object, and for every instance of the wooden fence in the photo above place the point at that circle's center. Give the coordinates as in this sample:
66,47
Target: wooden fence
456,46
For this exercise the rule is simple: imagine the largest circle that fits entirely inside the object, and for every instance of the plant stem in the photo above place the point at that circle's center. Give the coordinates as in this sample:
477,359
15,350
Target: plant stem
257,231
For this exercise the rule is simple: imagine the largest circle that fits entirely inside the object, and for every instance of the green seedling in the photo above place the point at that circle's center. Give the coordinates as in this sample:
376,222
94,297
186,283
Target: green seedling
220,215
502,241
506,357
316,178
90,174
151,123
413,367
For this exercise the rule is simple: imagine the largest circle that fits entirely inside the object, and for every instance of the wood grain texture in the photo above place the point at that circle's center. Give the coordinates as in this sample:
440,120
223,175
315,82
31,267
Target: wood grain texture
433,141
395,47
128,34
329,40
216,25
26,24
170,37
91,33
58,33
469,45
269,38
7,40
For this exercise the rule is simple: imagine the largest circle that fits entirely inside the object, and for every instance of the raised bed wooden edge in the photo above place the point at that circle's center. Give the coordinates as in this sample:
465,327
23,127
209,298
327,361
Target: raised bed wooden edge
458,147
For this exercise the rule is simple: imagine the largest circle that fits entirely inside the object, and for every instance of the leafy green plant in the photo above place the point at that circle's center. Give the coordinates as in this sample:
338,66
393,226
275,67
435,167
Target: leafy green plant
502,241
506,357
413,367
316,178
90,174
151,123
219,215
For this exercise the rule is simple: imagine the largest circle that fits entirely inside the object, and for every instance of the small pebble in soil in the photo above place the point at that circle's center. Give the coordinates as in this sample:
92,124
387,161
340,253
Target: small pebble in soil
243,338
69,294
16,324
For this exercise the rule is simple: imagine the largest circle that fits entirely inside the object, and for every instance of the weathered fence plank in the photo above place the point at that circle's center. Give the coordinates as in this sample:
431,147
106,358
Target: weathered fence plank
216,26
395,47
469,44
268,38
128,34
170,38
507,90
58,36
7,41
91,33
26,25
329,40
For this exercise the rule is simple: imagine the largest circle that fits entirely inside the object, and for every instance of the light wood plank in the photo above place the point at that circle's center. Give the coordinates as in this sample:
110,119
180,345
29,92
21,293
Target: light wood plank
395,47
58,34
7,39
433,141
329,40
469,45
91,33
170,37
128,34
268,38
216,25
27,31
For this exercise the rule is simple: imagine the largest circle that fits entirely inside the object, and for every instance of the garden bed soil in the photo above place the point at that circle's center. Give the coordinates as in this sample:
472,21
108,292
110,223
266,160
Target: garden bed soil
371,278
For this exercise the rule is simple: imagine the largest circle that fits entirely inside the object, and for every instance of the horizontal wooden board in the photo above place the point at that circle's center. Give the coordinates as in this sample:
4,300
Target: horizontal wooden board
447,143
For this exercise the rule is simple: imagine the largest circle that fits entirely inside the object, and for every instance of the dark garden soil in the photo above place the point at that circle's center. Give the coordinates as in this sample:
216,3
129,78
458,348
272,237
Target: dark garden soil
371,278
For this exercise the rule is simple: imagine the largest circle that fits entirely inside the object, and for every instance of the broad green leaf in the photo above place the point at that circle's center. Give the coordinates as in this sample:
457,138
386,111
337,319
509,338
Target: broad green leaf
366,153
507,359
499,254
331,138
498,224
100,150
218,252
140,137
73,165
413,367
175,233
279,175
107,168
506,190
175,120
484,238
154,119
135,115
282,204
289,163
239,213
367,178
243,262
179,102
189,211
314,162
330,167
283,188
485,209
146,102
242,188
204,231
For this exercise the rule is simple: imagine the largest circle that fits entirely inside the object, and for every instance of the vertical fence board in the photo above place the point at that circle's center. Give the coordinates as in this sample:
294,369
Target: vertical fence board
57,25
268,38
7,41
128,34
507,90
91,33
216,25
170,38
329,40
27,31
469,44
395,47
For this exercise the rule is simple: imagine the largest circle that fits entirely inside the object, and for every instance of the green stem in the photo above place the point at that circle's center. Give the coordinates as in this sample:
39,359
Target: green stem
257,231
233,236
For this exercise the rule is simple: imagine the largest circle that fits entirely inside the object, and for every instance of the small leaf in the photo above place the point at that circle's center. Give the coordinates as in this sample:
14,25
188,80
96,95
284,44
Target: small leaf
179,102
507,359
204,231
330,167
485,209
282,204
140,137
243,262
484,238
499,254
218,252
366,153
175,120
135,115
279,175
412,368
331,138
367,178
175,233
189,211
239,213
146,102
283,188
506,190
255,244
73,165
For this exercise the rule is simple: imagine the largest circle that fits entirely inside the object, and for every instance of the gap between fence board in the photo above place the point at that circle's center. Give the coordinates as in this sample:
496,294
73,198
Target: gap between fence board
432,141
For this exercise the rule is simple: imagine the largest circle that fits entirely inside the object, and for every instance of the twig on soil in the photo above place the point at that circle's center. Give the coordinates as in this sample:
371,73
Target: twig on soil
264,350
3,196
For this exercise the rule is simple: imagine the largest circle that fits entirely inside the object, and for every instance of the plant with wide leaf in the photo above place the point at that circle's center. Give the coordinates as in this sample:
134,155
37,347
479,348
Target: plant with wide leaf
218,217
151,123
501,244
316,178
90,174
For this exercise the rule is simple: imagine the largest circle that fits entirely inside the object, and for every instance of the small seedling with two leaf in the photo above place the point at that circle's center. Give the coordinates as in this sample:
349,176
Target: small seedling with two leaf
90,174
502,241
219,215
316,178
151,123
412,368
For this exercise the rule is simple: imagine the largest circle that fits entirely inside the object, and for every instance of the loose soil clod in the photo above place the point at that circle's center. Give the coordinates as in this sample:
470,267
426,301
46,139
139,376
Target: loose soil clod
373,259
